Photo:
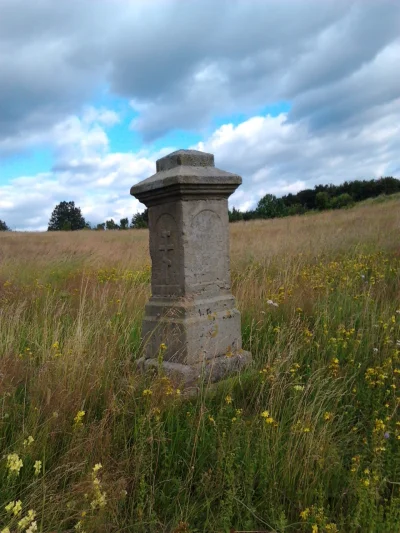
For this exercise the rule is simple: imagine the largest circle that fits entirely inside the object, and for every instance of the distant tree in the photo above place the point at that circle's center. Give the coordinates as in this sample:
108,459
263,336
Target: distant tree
250,215
235,215
322,200
290,199
67,226
270,207
110,224
124,223
101,227
344,200
66,217
88,225
3,226
388,185
295,209
140,220
357,189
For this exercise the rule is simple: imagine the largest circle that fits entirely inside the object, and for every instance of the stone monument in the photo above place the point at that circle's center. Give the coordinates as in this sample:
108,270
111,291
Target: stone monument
191,325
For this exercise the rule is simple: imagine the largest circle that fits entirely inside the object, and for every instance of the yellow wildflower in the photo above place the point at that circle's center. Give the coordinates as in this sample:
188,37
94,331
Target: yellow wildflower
304,514
334,366
38,467
99,500
379,426
26,520
147,392
268,419
78,420
14,507
328,416
331,528
97,467
32,528
56,349
79,526
379,449
28,441
228,399
14,463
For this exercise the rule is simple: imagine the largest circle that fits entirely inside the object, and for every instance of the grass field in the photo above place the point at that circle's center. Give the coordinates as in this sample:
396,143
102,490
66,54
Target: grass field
308,440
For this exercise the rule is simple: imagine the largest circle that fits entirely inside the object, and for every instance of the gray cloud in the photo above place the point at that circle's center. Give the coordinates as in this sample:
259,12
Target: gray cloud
183,62
51,60
276,156
306,52
272,154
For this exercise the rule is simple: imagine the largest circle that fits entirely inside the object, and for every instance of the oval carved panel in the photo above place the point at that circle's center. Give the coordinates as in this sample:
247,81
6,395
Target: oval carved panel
208,247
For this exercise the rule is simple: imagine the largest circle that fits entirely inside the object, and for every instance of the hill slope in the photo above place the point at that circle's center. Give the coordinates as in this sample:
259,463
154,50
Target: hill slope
309,438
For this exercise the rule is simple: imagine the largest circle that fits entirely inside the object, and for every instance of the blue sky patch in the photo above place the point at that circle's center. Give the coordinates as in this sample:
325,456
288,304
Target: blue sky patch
27,164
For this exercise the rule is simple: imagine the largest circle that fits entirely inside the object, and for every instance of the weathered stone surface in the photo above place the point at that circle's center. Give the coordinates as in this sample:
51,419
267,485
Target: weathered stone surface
192,310
209,371
186,158
176,181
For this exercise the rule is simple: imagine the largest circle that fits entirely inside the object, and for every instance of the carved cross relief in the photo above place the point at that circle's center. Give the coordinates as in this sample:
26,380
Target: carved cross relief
165,247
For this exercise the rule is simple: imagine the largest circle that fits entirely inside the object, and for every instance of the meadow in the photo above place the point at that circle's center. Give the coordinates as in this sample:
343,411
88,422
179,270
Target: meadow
307,440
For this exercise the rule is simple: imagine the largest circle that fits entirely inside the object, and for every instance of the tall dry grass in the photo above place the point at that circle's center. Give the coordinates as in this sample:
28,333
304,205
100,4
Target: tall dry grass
311,235
306,440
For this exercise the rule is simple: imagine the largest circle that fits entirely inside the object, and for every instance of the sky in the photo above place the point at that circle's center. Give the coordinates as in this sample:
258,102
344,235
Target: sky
286,93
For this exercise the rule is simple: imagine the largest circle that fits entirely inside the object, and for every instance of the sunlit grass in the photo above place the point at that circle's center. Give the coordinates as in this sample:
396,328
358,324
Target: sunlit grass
307,440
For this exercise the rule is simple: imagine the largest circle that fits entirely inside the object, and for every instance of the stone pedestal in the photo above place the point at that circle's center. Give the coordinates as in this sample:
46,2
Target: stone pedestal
191,311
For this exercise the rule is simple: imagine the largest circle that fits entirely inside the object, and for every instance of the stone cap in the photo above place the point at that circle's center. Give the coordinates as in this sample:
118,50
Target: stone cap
186,174
186,158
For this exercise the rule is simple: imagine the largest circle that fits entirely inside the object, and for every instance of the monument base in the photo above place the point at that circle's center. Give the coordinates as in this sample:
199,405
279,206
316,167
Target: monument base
209,371
191,329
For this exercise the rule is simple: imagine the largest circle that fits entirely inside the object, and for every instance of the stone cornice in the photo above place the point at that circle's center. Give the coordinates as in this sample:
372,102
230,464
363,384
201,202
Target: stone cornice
185,191
186,183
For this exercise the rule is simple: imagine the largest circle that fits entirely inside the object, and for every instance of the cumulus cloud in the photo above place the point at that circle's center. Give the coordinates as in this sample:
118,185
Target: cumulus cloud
276,156
52,57
180,63
324,55
85,171
272,155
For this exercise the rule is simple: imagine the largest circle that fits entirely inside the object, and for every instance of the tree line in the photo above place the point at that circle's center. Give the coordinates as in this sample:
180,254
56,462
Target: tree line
320,198
67,217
